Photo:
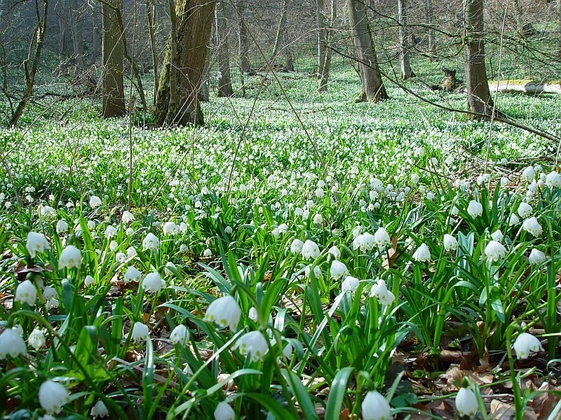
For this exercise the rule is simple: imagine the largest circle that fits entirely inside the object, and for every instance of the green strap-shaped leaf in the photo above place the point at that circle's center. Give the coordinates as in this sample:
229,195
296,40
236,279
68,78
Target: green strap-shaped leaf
337,393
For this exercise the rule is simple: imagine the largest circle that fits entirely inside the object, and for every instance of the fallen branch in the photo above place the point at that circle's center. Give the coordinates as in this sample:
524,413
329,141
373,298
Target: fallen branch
529,87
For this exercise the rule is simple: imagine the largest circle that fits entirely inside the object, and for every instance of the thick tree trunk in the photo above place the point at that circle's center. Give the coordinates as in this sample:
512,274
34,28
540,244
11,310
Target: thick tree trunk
112,53
243,38
33,57
221,28
403,40
373,89
479,97
176,100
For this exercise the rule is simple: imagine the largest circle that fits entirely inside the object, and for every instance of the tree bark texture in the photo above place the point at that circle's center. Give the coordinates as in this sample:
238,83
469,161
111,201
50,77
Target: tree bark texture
112,55
176,100
405,63
373,90
479,97
221,28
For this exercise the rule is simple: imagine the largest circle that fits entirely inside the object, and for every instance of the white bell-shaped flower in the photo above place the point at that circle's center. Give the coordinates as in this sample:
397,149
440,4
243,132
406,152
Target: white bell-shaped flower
254,344
36,242
375,407
225,312
52,396
525,344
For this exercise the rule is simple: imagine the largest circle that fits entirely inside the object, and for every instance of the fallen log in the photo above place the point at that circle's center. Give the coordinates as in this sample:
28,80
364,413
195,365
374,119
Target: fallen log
529,87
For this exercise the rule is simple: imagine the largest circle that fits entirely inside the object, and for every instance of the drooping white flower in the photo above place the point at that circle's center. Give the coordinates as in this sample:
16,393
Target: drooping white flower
365,242
153,282
316,271
553,179
310,250
70,257
450,243
12,344
532,226
225,312
495,251
207,253
528,174
318,219
36,339
113,245
338,270
253,315
497,235
36,242
375,407
132,274
422,254
334,251
380,291
475,208
525,344
61,227
381,238
150,242
95,201
127,217
525,210
99,410
350,284
466,403
223,411
180,335
88,280
536,256
287,350
140,331
296,246
110,231
254,344
170,228
26,293
52,396
513,220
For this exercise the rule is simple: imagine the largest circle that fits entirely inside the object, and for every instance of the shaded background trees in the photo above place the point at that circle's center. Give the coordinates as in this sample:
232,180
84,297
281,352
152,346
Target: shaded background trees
254,36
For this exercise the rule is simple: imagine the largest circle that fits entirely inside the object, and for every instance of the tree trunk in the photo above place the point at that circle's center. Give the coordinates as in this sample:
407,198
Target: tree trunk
429,20
150,17
77,38
479,97
112,54
280,39
403,40
33,57
176,100
221,27
326,67
558,11
321,35
373,89
243,38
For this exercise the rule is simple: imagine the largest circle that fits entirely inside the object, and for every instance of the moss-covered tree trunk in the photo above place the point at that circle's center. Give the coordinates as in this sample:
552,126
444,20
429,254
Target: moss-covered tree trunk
176,99
479,97
112,53
373,90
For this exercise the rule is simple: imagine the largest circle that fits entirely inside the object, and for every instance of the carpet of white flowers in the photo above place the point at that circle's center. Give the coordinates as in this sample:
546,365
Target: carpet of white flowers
279,264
